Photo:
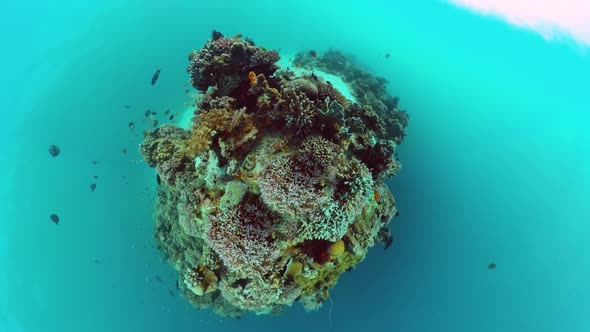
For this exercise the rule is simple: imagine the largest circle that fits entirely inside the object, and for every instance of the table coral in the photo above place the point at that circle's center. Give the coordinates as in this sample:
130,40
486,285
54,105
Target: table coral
278,187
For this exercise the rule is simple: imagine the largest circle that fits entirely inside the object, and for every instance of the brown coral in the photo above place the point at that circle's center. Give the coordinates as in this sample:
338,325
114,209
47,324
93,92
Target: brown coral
233,128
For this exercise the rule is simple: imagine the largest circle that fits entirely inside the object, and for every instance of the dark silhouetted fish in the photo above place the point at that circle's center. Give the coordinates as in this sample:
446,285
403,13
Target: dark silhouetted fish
216,35
95,177
124,150
53,217
131,125
156,76
171,117
388,241
177,285
96,261
154,122
126,106
94,162
167,112
54,150
158,179
159,279
171,293
92,186
492,266
154,113
387,55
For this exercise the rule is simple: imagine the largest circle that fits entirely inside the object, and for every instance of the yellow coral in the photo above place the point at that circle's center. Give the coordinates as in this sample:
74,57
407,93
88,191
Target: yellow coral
337,248
294,269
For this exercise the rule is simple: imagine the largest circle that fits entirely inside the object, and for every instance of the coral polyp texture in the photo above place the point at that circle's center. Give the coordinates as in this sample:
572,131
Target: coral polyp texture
278,187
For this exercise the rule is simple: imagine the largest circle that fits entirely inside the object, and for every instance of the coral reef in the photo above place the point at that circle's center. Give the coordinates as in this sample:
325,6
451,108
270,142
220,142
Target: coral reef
375,106
278,187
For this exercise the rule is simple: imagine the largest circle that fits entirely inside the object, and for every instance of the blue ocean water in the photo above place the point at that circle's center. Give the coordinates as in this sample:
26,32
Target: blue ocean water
496,166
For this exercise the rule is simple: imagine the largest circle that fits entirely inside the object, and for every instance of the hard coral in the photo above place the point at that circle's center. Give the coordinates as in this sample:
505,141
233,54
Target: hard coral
278,188
224,62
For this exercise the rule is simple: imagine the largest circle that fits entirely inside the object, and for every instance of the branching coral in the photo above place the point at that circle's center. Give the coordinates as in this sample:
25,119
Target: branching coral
234,128
241,238
278,188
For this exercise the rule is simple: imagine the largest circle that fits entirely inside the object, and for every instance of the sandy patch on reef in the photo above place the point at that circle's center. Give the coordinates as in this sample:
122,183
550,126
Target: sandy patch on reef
185,115
336,81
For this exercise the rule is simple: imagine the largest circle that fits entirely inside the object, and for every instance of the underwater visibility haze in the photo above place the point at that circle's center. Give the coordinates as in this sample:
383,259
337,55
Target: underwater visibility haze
317,166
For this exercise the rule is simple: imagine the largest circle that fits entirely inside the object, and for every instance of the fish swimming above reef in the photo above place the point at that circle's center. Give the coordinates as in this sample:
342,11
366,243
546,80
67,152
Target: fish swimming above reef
54,150
156,76
288,202
92,187
131,125
167,112
54,218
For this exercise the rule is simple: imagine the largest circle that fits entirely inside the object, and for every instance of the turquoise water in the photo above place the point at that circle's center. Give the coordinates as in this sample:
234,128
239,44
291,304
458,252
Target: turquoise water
496,166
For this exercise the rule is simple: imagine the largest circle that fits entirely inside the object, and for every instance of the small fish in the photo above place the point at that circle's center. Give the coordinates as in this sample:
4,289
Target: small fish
154,113
54,150
92,187
186,91
126,106
388,242
158,179
167,112
147,113
96,261
238,36
171,293
124,150
95,177
154,122
94,162
54,218
397,213
159,279
156,76
216,35
131,125
313,53
177,285
185,84
387,55
171,117
492,266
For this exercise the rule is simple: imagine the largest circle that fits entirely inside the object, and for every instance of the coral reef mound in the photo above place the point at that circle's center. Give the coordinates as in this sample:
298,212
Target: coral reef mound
278,188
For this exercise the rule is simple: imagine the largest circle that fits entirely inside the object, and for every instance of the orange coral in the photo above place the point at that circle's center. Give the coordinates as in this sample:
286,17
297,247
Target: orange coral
253,79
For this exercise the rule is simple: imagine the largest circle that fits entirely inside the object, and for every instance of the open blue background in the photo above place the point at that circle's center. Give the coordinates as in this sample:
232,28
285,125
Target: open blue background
496,166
